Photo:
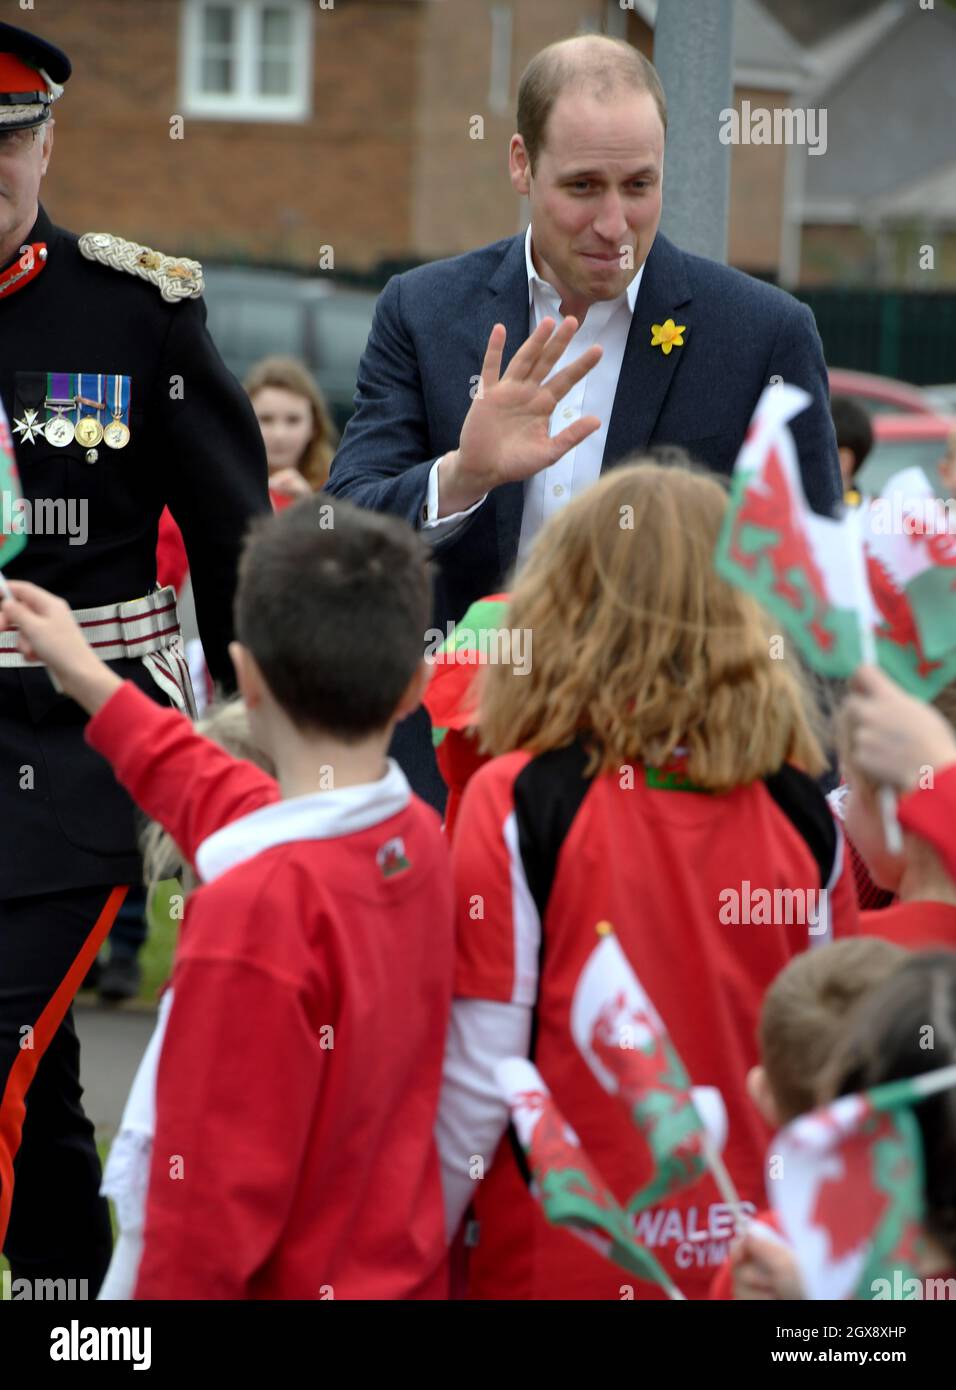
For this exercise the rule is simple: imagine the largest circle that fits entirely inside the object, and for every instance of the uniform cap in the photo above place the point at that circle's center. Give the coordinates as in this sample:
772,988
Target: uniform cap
32,74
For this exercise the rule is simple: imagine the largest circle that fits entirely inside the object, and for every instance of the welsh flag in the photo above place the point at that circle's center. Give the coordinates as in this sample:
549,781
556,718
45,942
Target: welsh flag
564,1179
451,694
11,543
844,591
797,564
847,1184
621,1036
911,570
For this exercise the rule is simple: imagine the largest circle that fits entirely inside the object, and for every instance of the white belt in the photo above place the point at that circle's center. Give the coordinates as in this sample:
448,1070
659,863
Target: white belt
143,629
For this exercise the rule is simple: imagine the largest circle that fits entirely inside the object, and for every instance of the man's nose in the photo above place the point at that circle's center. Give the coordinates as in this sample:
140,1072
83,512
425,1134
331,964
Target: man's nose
610,223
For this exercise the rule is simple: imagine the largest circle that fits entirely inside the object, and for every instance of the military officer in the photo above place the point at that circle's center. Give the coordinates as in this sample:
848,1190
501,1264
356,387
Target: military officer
119,404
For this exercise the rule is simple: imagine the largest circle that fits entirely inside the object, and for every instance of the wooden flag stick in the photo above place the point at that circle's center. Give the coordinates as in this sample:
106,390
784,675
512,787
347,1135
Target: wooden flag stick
886,797
722,1177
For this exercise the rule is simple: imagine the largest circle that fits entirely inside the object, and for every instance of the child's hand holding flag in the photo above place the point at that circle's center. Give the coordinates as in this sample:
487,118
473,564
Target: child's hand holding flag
893,737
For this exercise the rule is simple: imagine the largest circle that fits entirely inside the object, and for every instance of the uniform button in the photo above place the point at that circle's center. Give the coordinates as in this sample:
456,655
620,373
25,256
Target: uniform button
558,490
567,412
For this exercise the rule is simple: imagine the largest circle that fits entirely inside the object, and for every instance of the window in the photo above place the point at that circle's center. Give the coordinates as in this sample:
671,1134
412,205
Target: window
247,60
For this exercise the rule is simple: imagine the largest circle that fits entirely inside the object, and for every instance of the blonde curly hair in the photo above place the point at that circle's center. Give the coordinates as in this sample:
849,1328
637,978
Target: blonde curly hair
641,647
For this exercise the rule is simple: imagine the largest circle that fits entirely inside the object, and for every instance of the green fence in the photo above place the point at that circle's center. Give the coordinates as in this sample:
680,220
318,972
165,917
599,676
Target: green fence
906,334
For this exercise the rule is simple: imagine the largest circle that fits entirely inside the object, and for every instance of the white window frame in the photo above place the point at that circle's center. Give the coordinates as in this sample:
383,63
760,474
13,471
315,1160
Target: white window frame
246,103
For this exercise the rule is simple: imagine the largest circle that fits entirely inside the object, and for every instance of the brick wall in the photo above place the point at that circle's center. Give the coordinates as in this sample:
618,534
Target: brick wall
756,192
463,197
268,191
383,168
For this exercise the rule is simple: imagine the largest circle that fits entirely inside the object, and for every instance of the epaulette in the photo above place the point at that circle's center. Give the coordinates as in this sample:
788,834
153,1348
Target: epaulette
176,278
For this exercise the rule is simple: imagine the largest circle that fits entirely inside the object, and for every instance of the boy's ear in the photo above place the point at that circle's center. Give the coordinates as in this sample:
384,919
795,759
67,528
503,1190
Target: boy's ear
758,1089
248,676
414,691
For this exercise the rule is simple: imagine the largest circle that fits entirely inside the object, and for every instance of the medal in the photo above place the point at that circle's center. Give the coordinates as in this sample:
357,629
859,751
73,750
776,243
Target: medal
60,396
30,428
59,431
116,433
89,431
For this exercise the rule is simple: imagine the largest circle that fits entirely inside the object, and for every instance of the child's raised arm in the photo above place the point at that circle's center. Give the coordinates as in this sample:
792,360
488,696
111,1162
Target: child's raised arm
186,782
899,740
48,633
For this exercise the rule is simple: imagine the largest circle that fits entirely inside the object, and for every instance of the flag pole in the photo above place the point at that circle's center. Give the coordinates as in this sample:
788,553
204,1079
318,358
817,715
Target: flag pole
886,797
722,1177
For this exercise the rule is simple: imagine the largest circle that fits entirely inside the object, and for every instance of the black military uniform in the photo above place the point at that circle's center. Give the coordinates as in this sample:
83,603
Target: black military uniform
119,404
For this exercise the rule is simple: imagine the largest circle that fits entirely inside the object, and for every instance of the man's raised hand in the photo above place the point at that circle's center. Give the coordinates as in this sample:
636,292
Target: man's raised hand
505,435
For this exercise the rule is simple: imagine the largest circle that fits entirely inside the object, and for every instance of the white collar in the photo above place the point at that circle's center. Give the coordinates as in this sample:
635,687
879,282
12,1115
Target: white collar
630,294
316,816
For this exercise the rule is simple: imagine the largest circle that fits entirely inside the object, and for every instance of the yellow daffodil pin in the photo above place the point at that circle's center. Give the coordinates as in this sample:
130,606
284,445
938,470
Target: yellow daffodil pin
667,335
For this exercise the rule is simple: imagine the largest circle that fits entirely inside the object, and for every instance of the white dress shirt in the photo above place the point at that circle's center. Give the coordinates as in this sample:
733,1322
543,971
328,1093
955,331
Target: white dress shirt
607,324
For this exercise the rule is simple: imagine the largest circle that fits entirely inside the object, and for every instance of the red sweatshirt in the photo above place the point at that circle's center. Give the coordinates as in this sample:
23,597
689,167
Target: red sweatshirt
919,926
932,814
298,1083
542,854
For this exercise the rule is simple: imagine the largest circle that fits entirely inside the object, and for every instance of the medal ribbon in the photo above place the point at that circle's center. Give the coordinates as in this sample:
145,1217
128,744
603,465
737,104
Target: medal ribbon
60,387
91,389
122,391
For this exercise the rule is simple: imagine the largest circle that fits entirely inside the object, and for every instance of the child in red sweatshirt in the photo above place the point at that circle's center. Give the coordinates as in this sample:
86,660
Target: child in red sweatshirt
299,1075
893,738
651,766
801,1019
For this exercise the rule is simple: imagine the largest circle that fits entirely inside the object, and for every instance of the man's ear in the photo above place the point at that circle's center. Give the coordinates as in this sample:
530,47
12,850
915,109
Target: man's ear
414,691
519,166
248,676
47,146
758,1089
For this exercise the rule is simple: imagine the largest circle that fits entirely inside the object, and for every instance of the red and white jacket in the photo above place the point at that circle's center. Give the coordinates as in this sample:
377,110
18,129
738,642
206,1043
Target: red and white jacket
298,1081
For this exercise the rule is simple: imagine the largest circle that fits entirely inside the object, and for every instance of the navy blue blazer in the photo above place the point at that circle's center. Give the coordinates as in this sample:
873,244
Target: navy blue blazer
424,355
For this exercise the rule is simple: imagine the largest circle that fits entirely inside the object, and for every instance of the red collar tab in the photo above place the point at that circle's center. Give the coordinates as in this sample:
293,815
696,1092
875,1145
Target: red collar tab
25,268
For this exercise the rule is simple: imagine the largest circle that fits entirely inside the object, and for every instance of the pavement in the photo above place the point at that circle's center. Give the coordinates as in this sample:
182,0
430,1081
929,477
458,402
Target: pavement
112,1040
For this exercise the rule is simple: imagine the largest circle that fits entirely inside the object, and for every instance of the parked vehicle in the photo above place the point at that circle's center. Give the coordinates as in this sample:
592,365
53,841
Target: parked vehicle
943,397
881,395
905,441
255,313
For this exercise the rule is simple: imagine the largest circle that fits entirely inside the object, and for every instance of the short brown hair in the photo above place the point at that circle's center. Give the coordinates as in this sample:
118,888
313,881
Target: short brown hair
885,1040
640,646
596,64
333,602
805,1010
289,374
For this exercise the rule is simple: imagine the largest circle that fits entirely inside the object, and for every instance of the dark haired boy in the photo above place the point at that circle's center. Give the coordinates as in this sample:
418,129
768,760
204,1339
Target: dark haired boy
854,436
299,1075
